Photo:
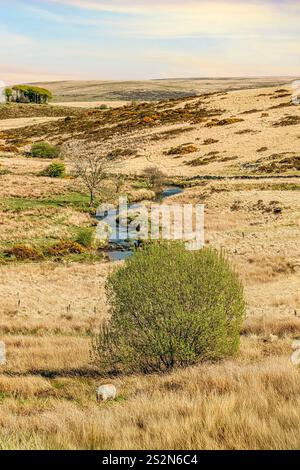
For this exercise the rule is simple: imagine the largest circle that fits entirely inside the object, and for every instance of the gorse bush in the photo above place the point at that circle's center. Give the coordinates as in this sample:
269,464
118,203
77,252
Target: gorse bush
23,252
55,170
44,150
64,248
170,307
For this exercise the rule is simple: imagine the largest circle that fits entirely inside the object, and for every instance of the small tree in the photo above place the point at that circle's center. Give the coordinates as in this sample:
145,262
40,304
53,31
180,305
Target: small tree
119,182
170,307
91,163
155,177
31,94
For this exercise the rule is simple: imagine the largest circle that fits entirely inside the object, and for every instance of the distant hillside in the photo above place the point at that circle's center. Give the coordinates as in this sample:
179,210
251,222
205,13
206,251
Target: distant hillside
151,90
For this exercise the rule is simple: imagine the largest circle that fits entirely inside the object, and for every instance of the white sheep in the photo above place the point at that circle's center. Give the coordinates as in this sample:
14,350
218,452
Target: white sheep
296,343
106,392
295,358
2,354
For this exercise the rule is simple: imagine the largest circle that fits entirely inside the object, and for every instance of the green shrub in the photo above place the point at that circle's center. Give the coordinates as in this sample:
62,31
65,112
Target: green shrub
44,150
55,170
170,307
4,171
86,237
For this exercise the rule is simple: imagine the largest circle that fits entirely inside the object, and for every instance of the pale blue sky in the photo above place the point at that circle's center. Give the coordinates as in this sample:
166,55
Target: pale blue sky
139,39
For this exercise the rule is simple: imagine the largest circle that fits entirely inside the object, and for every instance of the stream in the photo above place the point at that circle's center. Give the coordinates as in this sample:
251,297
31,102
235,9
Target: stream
120,249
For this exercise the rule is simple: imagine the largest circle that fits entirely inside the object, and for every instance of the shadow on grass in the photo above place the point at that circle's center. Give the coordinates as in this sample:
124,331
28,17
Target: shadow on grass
83,372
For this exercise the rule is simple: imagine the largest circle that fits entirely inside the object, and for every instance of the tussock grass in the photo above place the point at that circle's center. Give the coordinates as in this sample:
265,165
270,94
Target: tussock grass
225,406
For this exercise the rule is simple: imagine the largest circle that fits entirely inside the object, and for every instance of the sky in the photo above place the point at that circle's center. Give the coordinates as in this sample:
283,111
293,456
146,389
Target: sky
49,40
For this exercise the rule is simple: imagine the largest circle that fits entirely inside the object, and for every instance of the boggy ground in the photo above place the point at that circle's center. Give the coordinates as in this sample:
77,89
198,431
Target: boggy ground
51,307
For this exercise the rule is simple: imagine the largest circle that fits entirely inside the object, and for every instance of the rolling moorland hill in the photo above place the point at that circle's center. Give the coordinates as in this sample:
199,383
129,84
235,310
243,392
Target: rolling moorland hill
249,132
150,90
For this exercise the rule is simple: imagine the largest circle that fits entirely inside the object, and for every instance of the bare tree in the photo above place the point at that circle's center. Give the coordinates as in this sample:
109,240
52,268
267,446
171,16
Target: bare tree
92,164
155,177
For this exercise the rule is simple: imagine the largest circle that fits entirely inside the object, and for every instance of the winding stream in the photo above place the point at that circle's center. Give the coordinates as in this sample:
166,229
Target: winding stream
120,249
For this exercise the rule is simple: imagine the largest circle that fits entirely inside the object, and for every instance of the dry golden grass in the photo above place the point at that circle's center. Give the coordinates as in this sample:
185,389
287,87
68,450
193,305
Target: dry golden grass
250,403
52,294
48,384
53,223
31,186
90,104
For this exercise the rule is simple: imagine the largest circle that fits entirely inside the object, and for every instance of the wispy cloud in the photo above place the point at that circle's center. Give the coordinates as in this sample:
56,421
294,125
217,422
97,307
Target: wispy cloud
137,39
171,18
116,6
218,7
10,39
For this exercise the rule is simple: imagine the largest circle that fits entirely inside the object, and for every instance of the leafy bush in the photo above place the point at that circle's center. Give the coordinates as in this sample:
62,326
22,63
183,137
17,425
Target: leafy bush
24,252
64,248
55,170
170,307
86,237
44,150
